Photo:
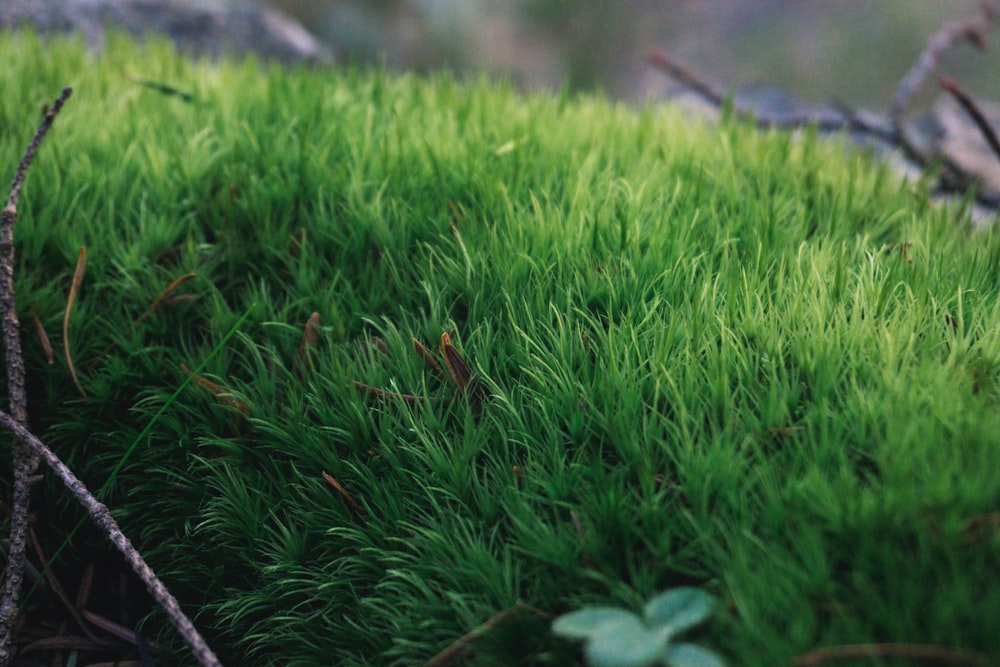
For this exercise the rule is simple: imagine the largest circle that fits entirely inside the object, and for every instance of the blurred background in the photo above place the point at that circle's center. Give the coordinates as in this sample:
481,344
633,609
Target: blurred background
854,51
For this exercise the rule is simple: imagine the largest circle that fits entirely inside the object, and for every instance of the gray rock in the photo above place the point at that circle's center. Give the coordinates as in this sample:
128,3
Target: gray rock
202,29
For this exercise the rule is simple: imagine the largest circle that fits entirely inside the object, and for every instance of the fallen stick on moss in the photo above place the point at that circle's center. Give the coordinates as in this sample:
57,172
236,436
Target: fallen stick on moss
24,460
101,516
28,449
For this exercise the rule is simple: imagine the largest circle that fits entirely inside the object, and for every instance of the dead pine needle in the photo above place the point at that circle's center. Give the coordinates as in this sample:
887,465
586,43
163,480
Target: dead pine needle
164,296
217,390
74,288
461,373
348,498
426,356
310,339
43,338
456,648
459,369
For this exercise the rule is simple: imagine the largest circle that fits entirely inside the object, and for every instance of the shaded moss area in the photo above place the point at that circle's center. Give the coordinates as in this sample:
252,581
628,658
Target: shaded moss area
713,356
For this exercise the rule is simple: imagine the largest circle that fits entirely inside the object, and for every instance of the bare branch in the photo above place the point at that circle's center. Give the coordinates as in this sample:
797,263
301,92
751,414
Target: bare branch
100,514
36,141
25,461
977,115
824,119
972,29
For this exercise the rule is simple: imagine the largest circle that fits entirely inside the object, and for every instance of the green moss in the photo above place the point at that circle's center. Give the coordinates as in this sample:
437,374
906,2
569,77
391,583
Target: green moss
709,361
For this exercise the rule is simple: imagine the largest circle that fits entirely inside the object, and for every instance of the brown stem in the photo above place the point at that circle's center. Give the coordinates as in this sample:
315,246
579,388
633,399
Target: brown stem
100,514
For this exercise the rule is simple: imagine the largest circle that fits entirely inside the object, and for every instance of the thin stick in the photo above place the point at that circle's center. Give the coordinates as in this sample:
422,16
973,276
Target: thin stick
971,108
972,29
659,59
100,514
824,120
25,461
921,652
74,288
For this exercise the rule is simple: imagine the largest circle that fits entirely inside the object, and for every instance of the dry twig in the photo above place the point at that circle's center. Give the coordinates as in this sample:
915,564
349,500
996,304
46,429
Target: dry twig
25,460
977,115
889,130
100,514
971,29
823,120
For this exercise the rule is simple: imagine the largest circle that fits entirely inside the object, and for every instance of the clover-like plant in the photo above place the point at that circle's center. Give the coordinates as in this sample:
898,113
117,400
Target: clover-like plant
619,638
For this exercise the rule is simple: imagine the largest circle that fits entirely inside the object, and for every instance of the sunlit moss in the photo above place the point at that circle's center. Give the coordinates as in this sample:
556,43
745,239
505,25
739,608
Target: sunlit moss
740,360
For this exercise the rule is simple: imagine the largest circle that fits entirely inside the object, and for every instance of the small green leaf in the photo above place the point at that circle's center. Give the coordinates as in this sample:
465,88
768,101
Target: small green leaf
679,608
691,655
587,623
625,643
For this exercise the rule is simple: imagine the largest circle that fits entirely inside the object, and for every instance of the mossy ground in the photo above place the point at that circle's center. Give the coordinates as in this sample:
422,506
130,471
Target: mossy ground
714,356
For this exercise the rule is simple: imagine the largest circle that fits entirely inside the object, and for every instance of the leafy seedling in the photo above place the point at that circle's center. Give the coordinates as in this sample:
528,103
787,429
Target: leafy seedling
617,637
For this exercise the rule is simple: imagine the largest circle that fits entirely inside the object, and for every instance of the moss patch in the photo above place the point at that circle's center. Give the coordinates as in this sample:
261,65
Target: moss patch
713,357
